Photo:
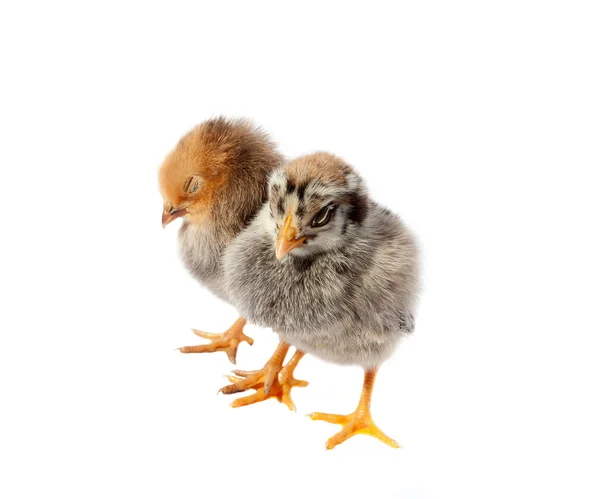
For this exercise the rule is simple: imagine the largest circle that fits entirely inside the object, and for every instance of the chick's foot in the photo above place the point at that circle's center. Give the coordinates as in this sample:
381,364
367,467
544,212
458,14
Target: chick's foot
359,422
353,424
227,342
273,380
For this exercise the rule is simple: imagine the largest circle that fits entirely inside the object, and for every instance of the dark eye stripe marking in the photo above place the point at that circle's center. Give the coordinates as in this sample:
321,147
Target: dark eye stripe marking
280,207
345,227
291,187
358,208
301,189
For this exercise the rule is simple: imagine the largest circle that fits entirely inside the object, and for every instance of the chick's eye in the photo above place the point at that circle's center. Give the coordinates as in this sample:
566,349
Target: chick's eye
192,184
323,217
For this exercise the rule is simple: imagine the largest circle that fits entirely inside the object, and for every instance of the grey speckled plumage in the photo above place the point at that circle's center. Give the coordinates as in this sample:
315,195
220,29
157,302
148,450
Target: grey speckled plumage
349,293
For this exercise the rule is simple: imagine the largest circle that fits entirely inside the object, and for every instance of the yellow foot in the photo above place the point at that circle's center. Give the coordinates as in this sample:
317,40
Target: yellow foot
227,342
270,381
353,424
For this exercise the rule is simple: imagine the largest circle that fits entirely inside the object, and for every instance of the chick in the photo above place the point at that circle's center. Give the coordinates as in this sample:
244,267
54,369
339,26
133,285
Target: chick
332,272
216,180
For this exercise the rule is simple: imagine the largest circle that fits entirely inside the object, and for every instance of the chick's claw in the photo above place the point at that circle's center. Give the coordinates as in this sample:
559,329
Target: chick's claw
280,389
227,342
246,380
359,422
270,381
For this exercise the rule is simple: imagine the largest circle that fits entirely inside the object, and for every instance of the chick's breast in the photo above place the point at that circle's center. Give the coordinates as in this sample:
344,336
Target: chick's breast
201,248
286,295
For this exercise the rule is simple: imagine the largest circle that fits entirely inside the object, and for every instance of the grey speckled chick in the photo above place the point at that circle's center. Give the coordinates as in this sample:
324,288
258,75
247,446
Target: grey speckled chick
216,179
332,272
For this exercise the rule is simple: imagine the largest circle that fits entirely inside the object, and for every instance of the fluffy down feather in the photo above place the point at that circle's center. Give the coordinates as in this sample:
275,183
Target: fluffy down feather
349,294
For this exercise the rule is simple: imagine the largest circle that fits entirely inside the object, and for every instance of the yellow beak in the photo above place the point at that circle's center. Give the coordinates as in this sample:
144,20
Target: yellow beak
169,216
287,240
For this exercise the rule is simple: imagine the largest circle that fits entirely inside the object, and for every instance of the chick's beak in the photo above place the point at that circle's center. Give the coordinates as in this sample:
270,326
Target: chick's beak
169,215
287,240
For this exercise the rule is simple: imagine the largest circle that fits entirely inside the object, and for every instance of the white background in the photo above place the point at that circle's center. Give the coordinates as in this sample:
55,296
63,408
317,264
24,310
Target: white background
478,122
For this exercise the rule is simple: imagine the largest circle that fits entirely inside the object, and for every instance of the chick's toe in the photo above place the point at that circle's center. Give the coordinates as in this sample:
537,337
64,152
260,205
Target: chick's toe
227,342
359,422
273,380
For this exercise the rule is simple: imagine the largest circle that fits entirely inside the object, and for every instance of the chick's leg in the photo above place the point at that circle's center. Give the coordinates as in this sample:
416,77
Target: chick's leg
227,342
360,421
273,380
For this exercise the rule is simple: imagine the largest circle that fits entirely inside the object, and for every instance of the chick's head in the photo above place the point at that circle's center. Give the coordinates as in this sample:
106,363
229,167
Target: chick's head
219,169
316,203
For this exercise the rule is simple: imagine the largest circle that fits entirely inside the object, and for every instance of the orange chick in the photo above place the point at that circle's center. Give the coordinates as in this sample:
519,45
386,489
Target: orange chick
216,179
